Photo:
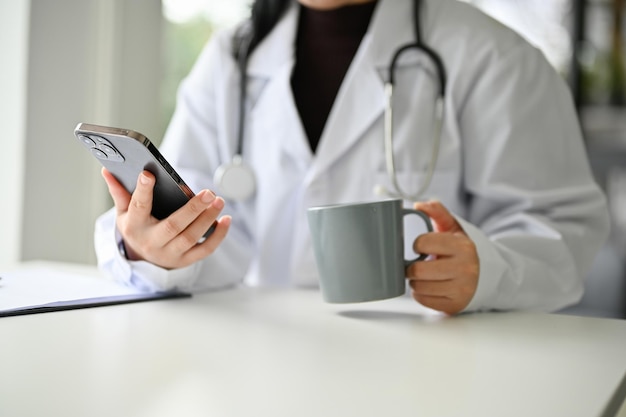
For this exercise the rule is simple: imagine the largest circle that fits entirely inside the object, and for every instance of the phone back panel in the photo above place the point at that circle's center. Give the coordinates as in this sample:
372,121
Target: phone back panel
126,154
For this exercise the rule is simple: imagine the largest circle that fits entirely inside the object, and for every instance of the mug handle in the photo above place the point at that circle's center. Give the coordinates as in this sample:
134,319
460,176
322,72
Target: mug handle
429,226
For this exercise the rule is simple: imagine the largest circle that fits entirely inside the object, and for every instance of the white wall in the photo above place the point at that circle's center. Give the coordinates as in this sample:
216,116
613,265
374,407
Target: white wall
13,47
95,61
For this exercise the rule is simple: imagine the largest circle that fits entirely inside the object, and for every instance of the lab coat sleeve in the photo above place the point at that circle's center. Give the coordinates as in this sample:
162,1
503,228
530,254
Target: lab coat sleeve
534,211
192,147
138,274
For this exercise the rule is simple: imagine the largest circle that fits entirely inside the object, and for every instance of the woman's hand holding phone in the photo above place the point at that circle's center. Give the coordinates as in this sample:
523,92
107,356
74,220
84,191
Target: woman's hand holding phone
174,241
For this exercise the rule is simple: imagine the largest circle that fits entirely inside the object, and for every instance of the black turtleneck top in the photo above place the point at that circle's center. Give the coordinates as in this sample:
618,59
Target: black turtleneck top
325,45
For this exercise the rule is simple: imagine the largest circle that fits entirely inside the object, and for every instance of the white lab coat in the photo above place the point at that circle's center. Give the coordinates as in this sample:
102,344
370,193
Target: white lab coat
512,165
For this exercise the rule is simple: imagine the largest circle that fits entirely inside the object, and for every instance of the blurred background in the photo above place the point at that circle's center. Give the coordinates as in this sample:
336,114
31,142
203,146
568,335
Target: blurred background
119,62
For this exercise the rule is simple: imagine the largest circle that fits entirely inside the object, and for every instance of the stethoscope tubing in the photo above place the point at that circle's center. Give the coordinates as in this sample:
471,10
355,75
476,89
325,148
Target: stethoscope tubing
439,111
237,169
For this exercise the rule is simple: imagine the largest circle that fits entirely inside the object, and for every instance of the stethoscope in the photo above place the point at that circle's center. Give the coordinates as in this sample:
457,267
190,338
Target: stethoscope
236,181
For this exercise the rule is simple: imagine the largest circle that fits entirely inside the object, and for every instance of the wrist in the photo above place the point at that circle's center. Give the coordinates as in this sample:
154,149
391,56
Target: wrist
127,252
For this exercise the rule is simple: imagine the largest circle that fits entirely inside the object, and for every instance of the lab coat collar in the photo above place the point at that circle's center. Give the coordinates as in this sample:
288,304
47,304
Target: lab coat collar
391,27
277,49
387,32
360,101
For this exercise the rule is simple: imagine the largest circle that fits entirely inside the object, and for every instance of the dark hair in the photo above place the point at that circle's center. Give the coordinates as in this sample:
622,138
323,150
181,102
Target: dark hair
263,17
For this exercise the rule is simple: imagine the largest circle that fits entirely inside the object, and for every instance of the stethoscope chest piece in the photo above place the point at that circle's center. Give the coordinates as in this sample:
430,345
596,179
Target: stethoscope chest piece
235,180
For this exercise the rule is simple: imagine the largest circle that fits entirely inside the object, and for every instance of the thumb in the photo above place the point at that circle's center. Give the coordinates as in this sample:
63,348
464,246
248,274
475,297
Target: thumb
442,220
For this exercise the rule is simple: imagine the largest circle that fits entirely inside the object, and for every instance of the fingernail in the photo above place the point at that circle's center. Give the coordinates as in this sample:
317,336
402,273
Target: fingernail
144,180
207,196
218,203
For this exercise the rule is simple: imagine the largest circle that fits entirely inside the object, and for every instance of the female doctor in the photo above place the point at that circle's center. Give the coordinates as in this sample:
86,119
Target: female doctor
518,218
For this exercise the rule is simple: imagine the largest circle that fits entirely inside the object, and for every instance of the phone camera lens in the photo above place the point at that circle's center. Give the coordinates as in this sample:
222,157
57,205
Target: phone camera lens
99,154
110,151
87,140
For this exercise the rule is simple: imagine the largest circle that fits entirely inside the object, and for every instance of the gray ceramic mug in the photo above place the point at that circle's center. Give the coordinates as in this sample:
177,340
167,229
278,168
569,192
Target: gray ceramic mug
359,249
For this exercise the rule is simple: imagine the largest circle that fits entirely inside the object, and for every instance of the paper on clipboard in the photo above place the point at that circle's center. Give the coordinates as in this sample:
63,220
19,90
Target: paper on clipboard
41,289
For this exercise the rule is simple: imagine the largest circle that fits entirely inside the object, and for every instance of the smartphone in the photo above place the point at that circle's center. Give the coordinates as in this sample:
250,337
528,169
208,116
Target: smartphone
125,154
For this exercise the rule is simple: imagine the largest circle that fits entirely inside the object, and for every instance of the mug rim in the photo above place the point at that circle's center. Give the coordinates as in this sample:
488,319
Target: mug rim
355,204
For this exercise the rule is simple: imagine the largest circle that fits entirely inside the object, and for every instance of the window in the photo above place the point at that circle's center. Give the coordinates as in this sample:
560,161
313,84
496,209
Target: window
188,26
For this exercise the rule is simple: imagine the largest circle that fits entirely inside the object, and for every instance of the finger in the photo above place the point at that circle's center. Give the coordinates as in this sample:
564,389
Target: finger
206,248
141,200
433,270
176,224
121,197
442,304
432,288
194,232
450,296
442,220
441,244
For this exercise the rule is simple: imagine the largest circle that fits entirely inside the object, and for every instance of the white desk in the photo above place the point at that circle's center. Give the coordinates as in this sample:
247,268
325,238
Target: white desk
286,353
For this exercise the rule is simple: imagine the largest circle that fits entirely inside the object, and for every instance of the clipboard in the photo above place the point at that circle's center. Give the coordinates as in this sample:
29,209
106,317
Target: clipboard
43,289
91,302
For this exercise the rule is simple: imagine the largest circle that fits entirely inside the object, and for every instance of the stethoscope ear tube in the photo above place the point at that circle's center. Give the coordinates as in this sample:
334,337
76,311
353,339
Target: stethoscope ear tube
389,153
398,192
235,180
